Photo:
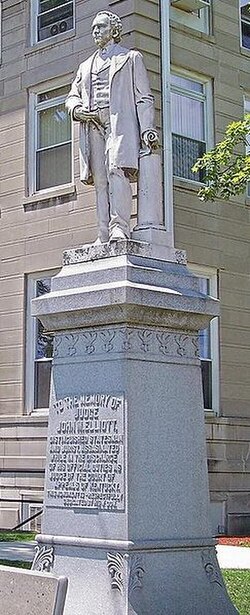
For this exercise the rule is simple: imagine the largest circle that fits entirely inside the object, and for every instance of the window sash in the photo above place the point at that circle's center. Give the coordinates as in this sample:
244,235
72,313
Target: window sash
37,366
53,166
207,383
53,125
185,130
184,157
58,4
187,117
47,23
42,375
63,149
245,23
245,34
208,284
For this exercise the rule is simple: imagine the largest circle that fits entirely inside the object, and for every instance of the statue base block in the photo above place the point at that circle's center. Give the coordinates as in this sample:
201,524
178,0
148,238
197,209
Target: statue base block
157,236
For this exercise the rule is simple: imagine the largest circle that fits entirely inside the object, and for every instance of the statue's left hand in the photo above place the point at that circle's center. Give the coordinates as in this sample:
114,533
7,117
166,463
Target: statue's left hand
150,138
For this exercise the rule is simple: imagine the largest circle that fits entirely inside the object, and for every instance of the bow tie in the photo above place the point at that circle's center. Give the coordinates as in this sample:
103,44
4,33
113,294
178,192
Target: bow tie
104,54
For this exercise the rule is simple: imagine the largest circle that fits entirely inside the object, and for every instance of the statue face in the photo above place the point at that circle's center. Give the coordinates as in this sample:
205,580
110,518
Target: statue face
101,30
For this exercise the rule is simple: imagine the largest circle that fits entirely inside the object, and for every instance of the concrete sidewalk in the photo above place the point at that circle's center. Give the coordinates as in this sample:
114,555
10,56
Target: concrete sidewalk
228,557
23,551
233,557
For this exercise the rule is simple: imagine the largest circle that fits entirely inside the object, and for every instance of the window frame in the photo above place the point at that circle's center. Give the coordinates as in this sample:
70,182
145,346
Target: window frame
200,24
30,346
34,26
208,110
34,108
30,499
240,26
212,275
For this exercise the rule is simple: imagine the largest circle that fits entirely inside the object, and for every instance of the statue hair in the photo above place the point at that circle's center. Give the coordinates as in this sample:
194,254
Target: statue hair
115,23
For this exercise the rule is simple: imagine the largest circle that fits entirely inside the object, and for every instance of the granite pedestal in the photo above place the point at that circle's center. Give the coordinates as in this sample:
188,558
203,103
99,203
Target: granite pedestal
126,505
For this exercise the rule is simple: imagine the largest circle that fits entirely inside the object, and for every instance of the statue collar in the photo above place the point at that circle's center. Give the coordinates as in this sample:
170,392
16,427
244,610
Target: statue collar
108,51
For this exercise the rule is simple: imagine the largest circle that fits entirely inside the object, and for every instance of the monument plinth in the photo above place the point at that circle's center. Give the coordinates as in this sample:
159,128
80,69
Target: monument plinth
126,490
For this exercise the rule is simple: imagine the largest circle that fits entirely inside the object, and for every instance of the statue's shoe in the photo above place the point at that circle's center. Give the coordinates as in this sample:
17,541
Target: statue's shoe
99,241
117,233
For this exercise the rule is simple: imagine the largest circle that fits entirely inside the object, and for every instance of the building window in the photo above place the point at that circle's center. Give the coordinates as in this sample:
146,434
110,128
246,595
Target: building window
51,141
51,17
31,508
245,23
209,341
186,12
189,122
39,346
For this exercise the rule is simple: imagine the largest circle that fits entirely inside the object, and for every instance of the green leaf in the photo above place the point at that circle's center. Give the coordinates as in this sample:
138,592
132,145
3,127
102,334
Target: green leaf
226,168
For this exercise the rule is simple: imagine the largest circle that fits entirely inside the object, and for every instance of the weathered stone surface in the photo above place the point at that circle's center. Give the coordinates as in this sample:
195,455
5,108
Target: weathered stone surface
119,247
31,593
111,284
126,494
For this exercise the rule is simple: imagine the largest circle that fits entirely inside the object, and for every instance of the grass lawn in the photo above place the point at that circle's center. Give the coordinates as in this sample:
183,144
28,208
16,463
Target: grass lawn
238,587
15,564
8,536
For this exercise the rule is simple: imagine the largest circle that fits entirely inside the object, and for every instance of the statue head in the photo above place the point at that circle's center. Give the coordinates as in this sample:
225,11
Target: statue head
106,27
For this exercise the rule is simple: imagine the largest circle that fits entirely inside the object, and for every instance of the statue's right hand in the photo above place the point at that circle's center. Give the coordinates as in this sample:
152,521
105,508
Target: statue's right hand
82,115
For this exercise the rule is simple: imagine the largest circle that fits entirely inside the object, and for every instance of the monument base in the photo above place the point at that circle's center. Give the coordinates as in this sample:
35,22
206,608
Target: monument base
118,578
126,514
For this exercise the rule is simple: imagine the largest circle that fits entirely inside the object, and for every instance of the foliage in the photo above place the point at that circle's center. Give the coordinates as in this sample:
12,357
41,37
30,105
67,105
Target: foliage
238,586
226,171
15,563
8,536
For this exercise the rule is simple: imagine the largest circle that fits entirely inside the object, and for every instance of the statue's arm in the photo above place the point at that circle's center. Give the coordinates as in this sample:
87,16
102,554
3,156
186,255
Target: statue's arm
74,103
144,101
73,99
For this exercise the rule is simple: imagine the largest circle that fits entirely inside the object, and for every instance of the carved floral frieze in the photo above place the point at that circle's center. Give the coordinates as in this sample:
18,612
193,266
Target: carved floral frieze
166,345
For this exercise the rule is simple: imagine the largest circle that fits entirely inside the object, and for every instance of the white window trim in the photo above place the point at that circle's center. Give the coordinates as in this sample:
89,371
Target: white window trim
208,109
212,275
32,124
201,24
31,280
33,25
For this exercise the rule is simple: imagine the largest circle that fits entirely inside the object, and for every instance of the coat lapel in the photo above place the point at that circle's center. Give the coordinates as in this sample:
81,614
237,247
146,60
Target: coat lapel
117,62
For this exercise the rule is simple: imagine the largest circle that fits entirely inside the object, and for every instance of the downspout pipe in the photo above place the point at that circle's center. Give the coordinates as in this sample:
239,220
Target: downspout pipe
164,6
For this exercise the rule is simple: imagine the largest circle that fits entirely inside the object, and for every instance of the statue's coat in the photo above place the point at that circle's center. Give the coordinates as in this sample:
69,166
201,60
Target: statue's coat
131,109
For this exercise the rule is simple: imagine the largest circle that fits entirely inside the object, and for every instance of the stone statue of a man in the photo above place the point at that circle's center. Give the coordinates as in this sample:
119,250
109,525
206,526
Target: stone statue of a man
111,99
